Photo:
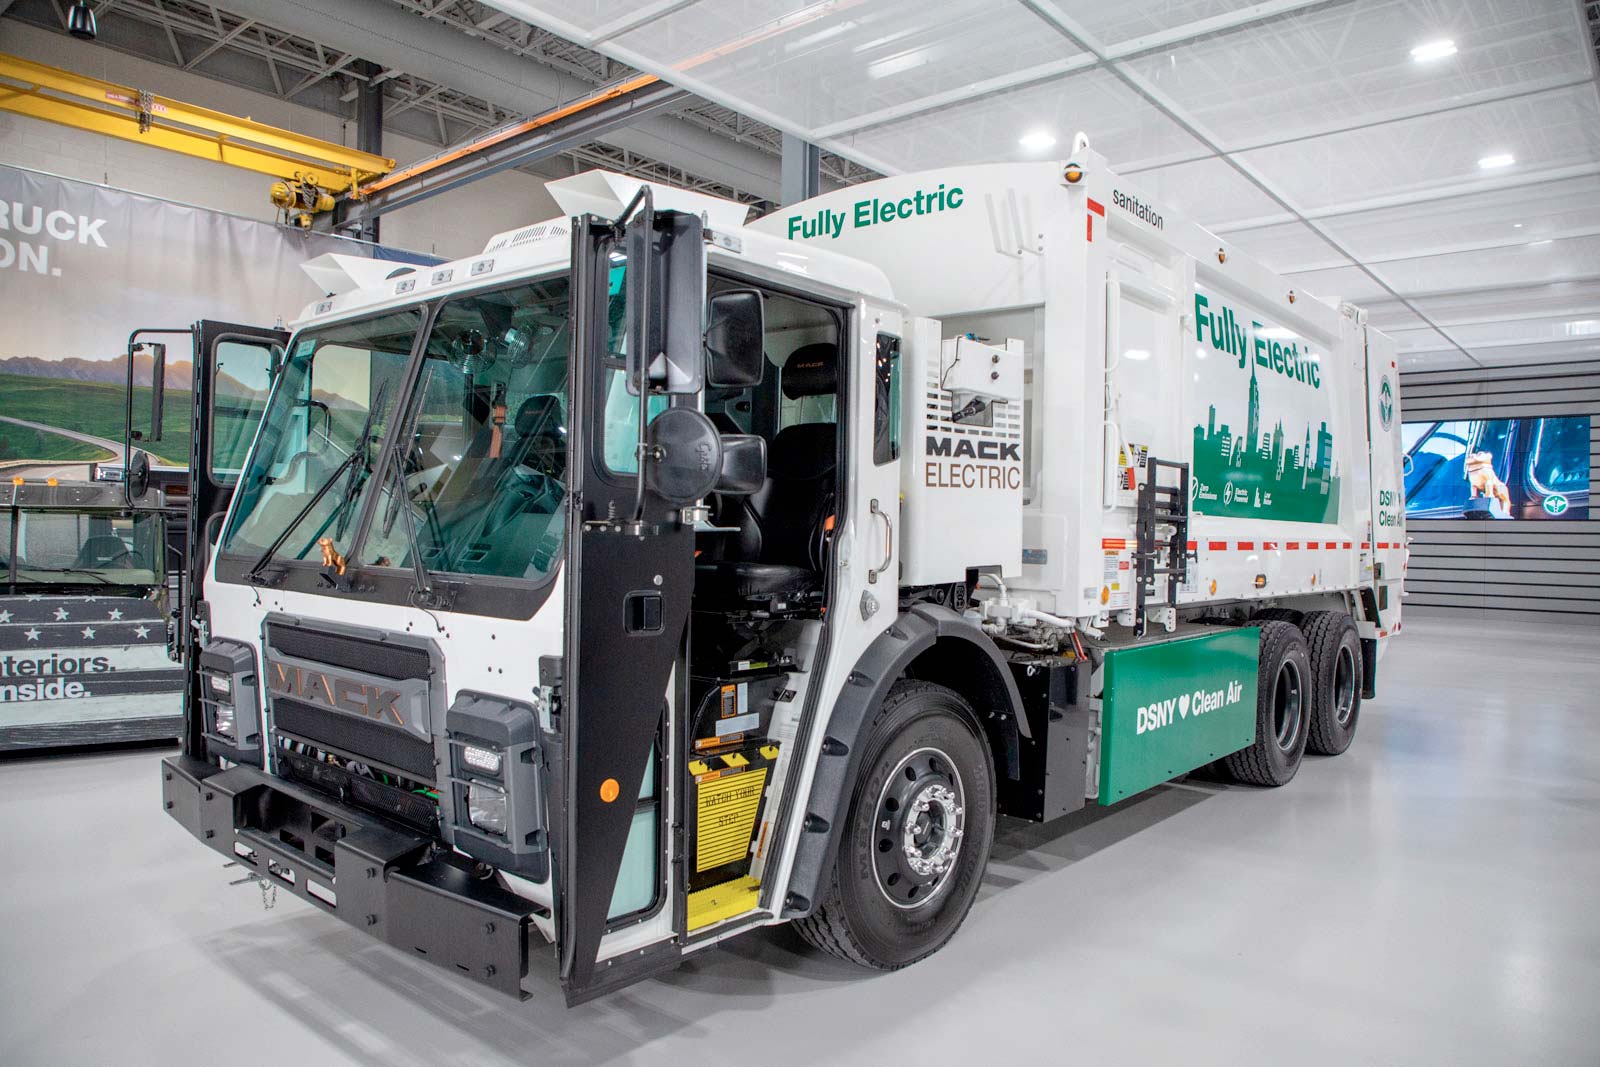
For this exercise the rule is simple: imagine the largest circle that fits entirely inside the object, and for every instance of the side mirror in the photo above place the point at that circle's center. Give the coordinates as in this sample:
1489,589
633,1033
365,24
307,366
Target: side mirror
666,284
735,339
158,386
138,475
744,464
684,460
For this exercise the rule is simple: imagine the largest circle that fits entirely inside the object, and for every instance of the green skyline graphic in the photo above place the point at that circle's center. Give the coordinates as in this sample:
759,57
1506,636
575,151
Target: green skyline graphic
1257,475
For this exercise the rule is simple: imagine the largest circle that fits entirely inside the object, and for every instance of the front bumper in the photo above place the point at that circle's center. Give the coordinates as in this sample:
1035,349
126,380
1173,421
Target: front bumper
378,876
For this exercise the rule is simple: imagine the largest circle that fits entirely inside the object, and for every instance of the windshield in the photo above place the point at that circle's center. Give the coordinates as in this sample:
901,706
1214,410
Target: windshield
64,548
321,434
483,447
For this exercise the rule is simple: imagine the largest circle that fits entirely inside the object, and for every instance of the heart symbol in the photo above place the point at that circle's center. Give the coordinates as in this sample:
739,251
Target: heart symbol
1183,705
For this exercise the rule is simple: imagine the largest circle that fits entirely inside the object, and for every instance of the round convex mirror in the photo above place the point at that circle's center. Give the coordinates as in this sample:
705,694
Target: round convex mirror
685,456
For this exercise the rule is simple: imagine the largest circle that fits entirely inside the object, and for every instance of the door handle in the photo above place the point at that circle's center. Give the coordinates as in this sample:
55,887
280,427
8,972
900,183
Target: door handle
888,541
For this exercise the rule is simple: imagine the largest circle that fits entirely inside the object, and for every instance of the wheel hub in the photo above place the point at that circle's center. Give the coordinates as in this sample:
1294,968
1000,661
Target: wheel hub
919,825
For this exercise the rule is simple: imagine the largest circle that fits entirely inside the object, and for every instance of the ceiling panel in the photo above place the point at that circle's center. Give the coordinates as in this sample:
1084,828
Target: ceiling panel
1531,264
1392,315
1571,300
1209,190
1339,284
987,130
834,63
1438,151
1289,248
1342,65
1517,215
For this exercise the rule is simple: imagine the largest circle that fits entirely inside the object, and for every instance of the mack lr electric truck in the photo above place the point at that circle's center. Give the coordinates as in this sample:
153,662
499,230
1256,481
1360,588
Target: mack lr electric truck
651,577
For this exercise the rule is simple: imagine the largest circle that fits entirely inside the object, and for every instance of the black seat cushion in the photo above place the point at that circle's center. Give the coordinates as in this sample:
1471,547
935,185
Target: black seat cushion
725,581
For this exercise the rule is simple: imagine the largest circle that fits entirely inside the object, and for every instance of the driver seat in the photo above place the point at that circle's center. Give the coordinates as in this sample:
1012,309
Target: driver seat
781,547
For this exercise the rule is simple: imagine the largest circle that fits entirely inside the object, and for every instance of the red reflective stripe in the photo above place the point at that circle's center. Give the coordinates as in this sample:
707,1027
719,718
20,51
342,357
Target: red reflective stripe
1114,542
1269,546
1217,546
1089,226
1293,546
1246,546
1347,544
1097,207
1364,545
1193,545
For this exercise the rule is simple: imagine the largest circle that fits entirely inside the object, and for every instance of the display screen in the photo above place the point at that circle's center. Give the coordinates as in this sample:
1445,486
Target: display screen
1522,468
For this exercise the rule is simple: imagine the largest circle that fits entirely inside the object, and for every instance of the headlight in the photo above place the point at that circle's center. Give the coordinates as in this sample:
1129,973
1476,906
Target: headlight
220,686
222,719
481,759
486,807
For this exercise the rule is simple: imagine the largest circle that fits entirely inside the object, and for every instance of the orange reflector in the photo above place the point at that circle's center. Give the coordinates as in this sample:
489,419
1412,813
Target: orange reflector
610,790
827,523
17,480
51,481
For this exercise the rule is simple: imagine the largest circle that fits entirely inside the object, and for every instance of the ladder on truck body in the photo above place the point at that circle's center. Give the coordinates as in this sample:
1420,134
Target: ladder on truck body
1160,505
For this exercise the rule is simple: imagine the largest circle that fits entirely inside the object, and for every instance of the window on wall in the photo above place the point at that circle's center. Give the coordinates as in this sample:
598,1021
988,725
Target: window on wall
886,401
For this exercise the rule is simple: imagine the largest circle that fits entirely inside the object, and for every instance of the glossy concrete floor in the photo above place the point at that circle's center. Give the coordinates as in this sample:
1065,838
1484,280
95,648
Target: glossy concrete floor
1428,898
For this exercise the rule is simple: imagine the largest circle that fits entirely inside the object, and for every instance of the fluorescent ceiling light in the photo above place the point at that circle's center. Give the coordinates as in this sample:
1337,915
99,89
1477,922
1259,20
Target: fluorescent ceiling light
1499,159
1583,328
1433,50
1136,353
1037,140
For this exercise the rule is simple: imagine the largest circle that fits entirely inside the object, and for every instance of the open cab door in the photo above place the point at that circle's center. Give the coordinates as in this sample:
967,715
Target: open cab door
638,300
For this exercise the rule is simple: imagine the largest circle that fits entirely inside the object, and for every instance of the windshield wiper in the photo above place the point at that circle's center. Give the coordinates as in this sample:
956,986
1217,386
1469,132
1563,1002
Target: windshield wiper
96,575
349,463
364,445
422,593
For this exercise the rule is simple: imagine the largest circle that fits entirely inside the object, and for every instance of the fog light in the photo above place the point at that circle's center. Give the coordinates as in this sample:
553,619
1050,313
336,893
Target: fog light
486,807
222,719
481,759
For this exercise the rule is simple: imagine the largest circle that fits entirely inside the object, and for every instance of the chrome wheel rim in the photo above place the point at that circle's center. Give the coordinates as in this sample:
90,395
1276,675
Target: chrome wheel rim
918,826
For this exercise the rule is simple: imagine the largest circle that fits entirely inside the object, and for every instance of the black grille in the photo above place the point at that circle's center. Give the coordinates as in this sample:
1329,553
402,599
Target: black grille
352,653
354,737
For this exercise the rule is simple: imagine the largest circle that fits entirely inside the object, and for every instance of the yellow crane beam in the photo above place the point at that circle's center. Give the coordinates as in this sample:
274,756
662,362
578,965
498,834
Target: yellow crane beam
60,96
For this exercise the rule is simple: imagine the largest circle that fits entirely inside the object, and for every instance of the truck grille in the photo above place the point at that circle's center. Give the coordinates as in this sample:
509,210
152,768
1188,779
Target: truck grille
357,697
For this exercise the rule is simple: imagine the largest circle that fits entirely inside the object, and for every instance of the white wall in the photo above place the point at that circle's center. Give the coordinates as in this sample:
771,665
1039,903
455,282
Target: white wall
451,225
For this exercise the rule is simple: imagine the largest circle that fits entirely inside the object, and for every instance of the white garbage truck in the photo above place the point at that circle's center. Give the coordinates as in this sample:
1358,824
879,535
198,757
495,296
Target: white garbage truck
997,490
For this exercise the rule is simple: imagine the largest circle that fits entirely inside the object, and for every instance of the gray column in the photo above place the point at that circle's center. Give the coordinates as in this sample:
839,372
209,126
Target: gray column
801,170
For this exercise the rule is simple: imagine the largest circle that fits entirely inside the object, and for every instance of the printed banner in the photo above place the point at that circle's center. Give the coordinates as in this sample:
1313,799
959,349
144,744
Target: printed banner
72,659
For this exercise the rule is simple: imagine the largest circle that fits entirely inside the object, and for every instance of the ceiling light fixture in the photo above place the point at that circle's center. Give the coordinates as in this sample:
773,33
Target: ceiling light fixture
80,21
1037,140
1496,161
1433,50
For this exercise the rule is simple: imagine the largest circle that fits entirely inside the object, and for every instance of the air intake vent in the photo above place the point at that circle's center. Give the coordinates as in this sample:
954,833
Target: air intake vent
538,232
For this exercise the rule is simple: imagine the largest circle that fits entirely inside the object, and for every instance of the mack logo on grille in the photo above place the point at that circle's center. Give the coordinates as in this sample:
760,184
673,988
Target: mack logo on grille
333,691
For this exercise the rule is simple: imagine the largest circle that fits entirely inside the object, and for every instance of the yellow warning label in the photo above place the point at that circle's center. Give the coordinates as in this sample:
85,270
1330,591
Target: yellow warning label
725,816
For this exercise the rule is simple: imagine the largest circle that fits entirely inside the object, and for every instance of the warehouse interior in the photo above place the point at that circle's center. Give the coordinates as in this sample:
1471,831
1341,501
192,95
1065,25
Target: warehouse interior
1423,898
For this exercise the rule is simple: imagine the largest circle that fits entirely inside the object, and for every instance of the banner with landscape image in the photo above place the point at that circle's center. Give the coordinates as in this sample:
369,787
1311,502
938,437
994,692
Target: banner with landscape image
81,266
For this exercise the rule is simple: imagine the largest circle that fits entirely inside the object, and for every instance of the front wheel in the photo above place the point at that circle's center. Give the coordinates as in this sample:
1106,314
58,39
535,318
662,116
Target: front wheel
916,836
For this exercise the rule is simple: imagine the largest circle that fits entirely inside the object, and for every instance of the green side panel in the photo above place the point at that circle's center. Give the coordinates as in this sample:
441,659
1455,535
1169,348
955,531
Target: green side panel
1174,706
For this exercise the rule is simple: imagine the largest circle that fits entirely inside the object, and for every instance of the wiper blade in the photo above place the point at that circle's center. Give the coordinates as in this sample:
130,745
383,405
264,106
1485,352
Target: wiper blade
353,483
422,591
96,575
356,458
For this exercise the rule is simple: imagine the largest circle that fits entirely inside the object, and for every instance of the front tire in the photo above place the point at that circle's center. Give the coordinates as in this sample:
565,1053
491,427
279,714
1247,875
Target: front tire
1283,709
916,835
1335,650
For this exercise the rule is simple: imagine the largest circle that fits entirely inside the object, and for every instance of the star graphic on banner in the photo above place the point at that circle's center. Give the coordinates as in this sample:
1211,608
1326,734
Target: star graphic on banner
61,614
90,599
88,632
31,634
5,616
34,597
115,614
141,631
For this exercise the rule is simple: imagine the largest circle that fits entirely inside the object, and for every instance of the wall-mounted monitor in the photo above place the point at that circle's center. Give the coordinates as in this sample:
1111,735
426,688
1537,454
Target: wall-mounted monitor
1521,468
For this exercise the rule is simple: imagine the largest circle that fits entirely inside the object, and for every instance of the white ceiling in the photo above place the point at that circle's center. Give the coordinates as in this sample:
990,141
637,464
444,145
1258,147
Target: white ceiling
1303,129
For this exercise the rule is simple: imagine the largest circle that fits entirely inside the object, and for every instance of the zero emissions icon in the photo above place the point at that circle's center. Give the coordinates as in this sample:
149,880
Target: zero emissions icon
1555,504
1385,402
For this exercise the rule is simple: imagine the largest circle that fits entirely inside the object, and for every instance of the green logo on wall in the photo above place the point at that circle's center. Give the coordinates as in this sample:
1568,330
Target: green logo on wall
1278,473
1385,402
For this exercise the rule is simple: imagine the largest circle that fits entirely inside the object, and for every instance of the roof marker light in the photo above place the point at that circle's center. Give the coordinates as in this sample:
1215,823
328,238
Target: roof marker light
1433,50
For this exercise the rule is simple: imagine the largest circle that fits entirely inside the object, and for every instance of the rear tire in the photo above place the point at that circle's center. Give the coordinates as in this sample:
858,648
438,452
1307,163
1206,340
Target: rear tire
1335,651
897,893
1283,709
